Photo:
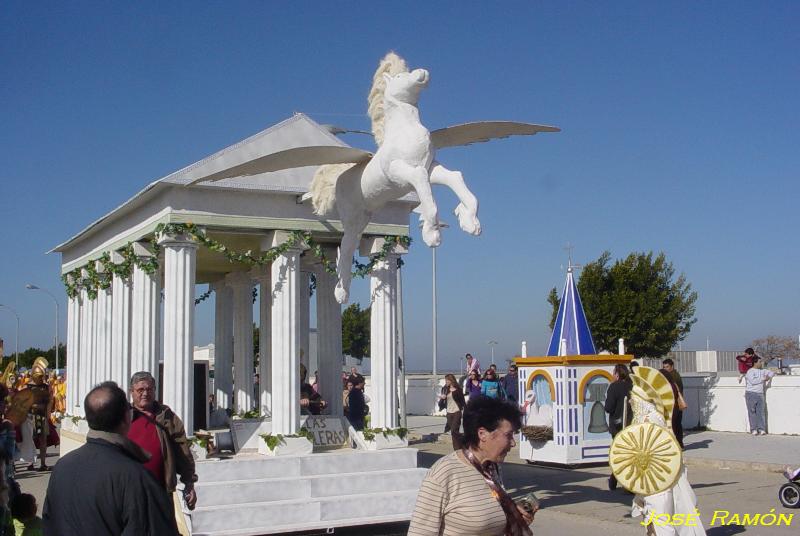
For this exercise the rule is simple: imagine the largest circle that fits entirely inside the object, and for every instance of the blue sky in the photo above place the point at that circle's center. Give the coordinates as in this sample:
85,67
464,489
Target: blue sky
679,135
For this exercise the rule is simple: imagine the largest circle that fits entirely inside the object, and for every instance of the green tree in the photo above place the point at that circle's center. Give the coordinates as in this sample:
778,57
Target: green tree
554,302
27,357
638,298
355,331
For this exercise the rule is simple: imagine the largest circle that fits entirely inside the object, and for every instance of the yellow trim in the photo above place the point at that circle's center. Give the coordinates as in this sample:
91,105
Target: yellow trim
542,372
606,359
586,379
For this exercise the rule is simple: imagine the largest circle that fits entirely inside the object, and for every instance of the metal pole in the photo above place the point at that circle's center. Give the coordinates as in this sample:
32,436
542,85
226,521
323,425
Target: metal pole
401,351
435,342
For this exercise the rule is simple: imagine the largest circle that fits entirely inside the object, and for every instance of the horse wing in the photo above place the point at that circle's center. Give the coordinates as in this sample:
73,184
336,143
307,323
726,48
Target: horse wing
315,155
469,133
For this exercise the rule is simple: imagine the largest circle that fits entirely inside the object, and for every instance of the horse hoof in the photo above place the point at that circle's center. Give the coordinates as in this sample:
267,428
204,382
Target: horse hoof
431,237
341,295
468,220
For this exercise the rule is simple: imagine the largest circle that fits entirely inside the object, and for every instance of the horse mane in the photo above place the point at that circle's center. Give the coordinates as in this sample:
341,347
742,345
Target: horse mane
391,64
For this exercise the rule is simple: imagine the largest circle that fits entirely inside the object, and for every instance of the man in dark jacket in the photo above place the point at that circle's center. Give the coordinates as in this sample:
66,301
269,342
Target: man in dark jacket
511,384
102,487
618,405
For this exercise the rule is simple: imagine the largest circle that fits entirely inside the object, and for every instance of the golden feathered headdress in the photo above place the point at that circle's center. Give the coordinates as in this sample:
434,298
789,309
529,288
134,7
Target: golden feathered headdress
39,366
665,398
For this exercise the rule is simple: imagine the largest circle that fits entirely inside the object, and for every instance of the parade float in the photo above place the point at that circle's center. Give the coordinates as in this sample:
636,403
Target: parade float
287,206
563,393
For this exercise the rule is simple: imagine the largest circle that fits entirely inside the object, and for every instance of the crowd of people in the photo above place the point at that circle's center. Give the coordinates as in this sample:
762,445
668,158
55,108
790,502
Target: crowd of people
119,482
137,453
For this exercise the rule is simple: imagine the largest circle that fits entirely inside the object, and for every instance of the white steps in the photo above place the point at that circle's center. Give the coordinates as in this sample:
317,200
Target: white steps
262,495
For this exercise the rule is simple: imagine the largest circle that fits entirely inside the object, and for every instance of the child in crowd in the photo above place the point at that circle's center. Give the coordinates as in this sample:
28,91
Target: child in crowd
746,361
23,510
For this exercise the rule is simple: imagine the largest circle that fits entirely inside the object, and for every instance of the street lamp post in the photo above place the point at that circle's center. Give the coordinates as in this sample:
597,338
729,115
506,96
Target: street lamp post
16,337
442,225
34,287
492,344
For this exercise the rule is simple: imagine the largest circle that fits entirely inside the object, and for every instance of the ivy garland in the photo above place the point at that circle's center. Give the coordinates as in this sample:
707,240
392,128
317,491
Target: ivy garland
273,441
96,280
370,433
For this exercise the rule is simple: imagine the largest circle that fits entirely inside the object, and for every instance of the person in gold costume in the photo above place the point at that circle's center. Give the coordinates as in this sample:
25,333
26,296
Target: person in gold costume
647,460
40,410
59,389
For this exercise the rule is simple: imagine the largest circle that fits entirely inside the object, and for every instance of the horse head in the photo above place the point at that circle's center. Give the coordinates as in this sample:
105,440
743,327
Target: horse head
406,86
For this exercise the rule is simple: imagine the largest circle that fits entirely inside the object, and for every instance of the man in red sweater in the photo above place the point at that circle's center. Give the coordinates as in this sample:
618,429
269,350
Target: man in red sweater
157,430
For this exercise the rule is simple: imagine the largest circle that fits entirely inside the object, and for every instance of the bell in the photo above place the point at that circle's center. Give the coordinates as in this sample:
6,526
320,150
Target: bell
597,419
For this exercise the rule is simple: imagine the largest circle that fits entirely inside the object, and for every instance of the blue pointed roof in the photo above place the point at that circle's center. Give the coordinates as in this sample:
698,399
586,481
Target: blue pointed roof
571,325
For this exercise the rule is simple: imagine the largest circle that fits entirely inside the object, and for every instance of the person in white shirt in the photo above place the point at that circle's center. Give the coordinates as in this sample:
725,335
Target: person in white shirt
754,381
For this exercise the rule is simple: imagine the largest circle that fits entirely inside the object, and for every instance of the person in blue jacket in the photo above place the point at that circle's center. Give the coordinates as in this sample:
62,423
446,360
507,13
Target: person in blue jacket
491,386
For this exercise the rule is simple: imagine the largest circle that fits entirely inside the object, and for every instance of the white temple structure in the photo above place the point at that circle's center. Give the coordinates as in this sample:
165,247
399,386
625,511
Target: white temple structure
144,260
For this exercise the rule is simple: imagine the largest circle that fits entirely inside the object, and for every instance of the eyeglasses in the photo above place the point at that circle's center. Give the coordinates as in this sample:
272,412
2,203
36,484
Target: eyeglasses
143,390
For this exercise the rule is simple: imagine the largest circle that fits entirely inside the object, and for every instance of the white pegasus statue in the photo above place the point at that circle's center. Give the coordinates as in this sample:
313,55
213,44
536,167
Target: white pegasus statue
358,183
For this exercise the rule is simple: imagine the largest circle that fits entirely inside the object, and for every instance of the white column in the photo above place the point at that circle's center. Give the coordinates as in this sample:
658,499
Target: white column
144,318
91,344
73,352
263,276
82,377
285,338
329,340
304,320
180,259
121,291
103,348
383,335
223,344
242,287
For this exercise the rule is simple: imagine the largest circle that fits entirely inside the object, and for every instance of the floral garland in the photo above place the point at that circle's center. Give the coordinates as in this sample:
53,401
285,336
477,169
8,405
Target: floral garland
96,280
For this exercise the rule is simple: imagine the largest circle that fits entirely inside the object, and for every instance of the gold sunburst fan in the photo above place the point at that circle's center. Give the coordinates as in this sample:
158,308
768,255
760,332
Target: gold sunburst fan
645,458
661,386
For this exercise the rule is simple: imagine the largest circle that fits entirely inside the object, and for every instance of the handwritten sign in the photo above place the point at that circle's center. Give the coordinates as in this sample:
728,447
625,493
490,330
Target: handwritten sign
328,432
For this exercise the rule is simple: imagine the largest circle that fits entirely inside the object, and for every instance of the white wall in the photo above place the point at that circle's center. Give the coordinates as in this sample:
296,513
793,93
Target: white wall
717,402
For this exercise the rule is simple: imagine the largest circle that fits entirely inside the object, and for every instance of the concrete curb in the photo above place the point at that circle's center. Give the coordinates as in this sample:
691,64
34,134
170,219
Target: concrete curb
737,465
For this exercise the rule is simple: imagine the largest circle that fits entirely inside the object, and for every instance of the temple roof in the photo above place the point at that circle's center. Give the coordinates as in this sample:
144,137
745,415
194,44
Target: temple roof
571,333
243,208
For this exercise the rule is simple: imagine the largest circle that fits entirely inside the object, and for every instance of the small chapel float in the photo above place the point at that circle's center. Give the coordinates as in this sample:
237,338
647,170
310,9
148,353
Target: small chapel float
563,393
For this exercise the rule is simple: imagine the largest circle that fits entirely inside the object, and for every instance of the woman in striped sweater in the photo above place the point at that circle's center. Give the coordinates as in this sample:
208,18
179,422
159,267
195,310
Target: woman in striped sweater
462,494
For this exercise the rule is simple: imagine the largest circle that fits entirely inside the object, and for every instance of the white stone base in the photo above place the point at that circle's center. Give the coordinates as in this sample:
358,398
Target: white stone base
246,433
72,435
380,442
198,453
288,446
252,494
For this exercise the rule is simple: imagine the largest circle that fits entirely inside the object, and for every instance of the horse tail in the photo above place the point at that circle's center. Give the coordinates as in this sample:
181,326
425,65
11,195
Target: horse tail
391,64
323,187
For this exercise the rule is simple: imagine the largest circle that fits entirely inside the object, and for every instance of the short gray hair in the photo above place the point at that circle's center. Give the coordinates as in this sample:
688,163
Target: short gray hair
141,376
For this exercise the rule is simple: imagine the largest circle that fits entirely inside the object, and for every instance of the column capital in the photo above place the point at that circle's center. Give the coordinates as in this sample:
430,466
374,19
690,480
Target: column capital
179,240
143,249
260,272
239,279
373,245
218,285
117,257
278,237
